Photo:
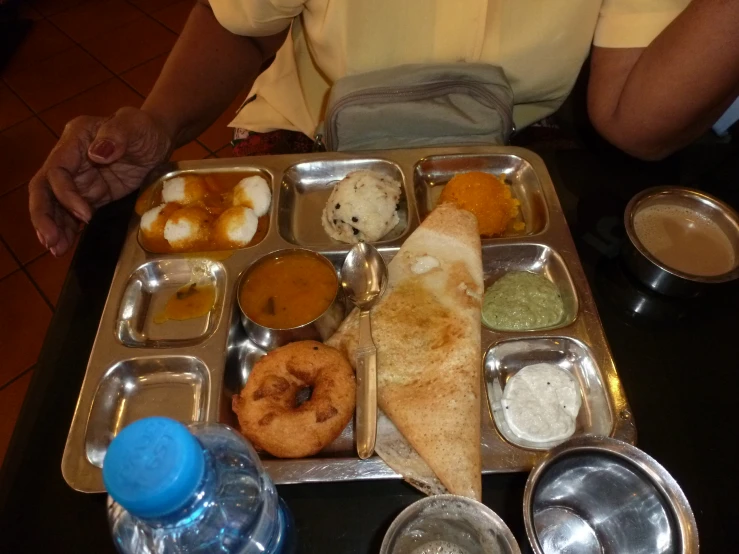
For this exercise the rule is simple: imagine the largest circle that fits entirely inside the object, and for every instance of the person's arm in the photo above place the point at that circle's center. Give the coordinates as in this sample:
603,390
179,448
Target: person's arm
100,159
207,68
652,101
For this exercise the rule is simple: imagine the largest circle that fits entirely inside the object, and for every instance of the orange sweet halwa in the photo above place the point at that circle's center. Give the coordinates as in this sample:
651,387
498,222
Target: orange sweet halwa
487,197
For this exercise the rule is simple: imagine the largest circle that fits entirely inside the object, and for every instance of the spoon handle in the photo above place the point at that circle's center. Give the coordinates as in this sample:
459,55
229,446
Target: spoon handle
366,362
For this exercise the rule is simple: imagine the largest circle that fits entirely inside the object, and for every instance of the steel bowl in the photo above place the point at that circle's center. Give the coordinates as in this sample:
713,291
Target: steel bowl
656,275
465,523
321,328
601,495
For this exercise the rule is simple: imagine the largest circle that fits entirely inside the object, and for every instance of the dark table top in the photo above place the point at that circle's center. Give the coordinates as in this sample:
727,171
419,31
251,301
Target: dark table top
677,361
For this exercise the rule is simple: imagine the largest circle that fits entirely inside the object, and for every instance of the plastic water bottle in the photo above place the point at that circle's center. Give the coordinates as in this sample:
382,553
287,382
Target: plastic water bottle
197,489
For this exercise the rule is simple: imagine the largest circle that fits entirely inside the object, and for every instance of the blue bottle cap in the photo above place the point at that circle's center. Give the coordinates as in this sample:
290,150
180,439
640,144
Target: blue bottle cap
153,467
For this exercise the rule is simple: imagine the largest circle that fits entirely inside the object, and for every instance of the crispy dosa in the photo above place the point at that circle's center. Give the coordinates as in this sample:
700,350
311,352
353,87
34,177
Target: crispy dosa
397,452
427,331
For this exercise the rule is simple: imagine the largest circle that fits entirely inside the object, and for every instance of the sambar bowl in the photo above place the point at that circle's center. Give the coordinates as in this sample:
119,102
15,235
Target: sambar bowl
655,274
603,496
320,328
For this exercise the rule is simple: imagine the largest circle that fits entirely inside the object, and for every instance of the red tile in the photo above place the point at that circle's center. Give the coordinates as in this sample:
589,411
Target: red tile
150,6
51,7
42,42
16,229
12,110
134,43
24,317
175,15
143,77
49,272
220,134
26,11
23,148
103,99
95,18
7,263
57,78
11,400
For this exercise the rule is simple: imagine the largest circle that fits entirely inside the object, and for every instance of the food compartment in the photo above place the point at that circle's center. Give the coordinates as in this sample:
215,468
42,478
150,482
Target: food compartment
169,386
213,193
241,356
503,360
171,302
305,190
432,173
500,259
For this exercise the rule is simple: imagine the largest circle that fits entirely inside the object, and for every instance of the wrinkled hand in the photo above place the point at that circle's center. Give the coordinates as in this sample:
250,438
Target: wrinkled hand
97,160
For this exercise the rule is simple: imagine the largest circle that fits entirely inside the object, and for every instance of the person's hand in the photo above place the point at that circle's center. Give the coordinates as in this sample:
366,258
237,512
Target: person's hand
97,160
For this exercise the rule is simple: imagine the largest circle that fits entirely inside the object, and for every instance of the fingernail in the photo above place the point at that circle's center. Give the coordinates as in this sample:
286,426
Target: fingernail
41,239
81,217
103,149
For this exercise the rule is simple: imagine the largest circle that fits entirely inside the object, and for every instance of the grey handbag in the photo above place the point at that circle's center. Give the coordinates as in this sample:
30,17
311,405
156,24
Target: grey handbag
419,105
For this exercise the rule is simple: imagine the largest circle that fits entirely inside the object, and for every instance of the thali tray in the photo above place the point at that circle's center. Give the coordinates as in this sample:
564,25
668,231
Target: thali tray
189,370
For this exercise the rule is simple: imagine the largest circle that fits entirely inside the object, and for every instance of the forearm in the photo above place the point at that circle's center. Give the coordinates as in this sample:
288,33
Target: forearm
207,68
676,88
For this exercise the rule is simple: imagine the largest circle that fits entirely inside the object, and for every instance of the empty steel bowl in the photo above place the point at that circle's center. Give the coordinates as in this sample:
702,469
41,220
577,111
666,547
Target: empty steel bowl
448,523
655,274
320,328
603,496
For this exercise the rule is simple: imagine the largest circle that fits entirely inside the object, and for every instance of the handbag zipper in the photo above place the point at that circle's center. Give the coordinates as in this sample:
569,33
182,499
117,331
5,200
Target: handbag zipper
389,94
318,145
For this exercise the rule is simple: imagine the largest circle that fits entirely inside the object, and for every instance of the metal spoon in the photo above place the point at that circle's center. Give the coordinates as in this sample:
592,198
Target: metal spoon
364,279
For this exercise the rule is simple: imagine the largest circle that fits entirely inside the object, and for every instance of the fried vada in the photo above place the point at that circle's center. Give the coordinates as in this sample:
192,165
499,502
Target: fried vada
268,408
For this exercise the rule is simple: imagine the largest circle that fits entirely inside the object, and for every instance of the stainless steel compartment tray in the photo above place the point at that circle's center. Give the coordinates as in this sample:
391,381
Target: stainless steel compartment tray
504,359
305,189
171,386
147,292
215,359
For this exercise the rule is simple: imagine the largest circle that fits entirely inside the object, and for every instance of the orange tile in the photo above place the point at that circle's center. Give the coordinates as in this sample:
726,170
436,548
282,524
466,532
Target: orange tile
7,263
220,134
134,43
57,78
11,400
226,152
12,110
103,99
16,229
51,7
23,148
191,151
95,18
143,77
49,272
175,15
24,317
43,41
150,6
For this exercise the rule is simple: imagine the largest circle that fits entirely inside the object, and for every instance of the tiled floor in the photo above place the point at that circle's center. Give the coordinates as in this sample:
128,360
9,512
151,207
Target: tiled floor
80,57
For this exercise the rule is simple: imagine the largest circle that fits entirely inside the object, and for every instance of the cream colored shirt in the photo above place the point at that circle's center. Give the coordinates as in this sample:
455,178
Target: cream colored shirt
540,44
